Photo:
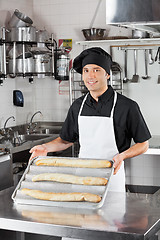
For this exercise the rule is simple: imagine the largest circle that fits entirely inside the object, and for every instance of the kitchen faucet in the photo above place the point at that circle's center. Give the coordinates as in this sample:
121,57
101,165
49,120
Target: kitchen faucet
7,121
4,131
31,123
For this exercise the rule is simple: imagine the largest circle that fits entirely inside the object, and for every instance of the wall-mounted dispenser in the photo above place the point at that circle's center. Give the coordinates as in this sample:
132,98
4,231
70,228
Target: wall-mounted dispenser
18,99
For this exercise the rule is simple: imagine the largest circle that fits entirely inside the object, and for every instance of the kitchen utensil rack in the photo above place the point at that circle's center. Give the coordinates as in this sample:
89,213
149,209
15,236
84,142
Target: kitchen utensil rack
6,44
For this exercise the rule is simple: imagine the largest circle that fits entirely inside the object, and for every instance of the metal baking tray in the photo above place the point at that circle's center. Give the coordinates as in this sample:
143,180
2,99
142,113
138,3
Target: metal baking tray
32,169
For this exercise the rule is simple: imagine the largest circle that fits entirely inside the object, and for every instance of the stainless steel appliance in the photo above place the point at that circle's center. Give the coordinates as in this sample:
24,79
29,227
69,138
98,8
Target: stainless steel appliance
19,34
138,13
42,63
6,173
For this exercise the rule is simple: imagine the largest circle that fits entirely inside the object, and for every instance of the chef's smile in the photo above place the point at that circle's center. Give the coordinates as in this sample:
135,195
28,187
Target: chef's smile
92,82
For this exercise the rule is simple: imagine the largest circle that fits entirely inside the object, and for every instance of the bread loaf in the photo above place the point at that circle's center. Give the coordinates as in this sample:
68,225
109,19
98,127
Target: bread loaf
67,178
62,197
74,163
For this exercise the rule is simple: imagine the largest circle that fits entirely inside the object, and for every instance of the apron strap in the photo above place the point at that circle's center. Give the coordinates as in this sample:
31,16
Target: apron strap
112,111
83,104
114,103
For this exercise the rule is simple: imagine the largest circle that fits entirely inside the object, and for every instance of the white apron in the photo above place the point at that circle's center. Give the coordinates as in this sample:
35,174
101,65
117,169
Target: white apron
97,140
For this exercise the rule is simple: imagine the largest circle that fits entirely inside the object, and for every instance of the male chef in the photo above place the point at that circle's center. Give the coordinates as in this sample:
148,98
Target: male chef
103,121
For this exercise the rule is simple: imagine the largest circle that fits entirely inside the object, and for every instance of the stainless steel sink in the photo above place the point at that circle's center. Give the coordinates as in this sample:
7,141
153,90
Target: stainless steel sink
32,137
50,131
20,140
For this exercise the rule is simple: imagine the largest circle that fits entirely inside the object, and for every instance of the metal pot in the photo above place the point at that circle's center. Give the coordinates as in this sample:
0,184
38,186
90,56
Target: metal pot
26,34
19,19
42,36
140,34
28,63
19,52
42,63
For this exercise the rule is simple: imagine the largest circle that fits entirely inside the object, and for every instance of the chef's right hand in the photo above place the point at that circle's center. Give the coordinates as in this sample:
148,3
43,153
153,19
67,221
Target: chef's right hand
39,150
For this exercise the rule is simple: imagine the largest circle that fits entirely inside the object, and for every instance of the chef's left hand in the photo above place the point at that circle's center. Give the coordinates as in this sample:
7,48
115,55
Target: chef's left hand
118,159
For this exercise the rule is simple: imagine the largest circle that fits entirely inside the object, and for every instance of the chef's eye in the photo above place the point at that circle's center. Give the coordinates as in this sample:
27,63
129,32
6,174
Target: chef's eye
96,70
85,70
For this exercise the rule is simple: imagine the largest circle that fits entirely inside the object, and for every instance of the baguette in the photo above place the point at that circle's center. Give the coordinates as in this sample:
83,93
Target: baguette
59,162
67,178
62,197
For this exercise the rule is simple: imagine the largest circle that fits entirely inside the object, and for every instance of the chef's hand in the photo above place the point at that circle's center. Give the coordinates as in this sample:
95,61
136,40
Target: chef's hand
39,150
118,159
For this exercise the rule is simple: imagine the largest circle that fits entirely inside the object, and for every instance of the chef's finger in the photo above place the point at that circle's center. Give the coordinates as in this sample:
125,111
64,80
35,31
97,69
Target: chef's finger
116,169
33,149
32,156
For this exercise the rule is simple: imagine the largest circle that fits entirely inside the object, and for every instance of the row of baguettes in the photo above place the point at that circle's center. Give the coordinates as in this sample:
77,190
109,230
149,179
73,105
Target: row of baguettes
66,178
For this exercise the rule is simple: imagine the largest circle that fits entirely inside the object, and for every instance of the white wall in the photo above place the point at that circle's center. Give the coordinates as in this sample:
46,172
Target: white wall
6,91
146,91
66,19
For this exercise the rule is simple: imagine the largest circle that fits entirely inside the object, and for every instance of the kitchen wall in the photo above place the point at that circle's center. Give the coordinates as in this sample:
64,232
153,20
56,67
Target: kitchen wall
6,91
66,19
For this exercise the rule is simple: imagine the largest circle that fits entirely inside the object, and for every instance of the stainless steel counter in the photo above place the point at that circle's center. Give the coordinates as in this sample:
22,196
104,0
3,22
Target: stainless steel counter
124,216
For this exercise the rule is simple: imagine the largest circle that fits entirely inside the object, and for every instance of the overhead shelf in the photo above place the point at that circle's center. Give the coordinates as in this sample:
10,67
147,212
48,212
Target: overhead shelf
125,42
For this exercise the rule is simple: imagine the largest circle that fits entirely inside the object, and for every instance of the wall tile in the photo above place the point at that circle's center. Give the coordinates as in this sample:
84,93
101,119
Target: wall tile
66,19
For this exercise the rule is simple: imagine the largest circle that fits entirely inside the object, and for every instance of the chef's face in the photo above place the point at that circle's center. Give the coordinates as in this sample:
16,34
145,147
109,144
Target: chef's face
95,78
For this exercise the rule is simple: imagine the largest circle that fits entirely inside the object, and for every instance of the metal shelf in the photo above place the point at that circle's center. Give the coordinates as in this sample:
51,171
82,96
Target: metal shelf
126,41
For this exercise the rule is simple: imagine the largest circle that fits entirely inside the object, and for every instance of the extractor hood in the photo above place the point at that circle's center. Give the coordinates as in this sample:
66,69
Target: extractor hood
139,14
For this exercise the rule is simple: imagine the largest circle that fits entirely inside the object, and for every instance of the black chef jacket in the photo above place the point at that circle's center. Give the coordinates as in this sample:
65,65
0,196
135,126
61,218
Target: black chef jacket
128,120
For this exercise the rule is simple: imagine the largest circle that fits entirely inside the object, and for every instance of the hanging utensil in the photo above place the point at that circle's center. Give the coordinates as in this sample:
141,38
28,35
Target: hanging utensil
157,57
135,77
125,79
94,33
151,60
95,14
158,52
146,65
4,52
159,63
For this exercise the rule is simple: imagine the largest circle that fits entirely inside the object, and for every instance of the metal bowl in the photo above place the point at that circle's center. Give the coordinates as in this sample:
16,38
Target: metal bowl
94,33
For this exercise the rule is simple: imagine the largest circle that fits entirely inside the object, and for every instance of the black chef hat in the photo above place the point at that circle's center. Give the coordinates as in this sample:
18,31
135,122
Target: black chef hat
94,55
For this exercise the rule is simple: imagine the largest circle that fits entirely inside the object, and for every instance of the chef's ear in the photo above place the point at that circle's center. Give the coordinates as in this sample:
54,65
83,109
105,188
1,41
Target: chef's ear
107,76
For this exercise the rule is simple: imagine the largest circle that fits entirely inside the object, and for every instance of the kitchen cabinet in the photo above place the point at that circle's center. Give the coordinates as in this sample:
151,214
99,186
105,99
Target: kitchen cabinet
142,172
6,174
